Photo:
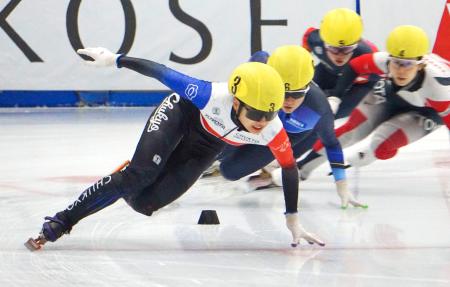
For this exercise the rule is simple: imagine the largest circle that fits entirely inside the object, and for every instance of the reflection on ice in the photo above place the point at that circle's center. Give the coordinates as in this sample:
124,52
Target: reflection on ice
50,156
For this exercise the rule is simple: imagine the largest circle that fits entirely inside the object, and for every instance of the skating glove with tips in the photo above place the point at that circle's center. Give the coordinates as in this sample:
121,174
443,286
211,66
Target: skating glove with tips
346,196
298,232
102,57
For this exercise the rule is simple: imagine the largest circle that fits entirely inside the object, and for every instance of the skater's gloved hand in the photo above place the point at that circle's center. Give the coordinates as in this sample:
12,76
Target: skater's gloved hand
346,196
334,104
102,57
298,232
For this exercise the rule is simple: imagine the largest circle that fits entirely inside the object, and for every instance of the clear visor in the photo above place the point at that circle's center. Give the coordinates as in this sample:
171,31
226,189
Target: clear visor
404,63
341,50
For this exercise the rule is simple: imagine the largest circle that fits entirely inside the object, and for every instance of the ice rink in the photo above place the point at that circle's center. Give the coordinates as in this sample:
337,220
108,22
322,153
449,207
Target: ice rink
49,156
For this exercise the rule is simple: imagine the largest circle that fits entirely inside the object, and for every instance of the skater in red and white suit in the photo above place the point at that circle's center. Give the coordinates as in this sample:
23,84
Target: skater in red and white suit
411,102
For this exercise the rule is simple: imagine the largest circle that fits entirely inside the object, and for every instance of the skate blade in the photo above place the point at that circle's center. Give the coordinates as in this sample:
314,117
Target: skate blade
214,173
33,244
266,186
260,183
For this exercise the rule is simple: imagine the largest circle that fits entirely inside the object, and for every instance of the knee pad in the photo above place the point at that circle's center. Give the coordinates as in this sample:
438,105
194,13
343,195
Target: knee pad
383,154
387,148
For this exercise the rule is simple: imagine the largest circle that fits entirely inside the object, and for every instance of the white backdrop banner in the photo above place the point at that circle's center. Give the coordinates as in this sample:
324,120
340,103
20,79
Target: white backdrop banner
202,38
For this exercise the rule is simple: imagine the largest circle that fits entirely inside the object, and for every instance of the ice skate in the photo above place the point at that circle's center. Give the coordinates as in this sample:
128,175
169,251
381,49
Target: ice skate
262,180
53,228
213,170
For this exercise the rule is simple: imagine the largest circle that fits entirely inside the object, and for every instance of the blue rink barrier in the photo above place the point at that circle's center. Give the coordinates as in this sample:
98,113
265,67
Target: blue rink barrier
81,98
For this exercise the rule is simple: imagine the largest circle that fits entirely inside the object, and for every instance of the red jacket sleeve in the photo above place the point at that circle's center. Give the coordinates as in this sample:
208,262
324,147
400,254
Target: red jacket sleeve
365,64
443,108
371,45
282,150
305,38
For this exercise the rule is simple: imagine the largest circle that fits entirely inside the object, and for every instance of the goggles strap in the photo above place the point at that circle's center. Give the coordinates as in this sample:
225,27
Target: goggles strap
235,117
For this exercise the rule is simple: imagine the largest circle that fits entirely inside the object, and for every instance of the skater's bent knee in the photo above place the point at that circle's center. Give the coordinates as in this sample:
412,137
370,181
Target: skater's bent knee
388,147
145,211
229,173
141,208
383,153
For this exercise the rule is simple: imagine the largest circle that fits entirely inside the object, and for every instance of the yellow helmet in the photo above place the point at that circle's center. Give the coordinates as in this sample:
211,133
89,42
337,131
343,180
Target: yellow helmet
341,27
257,85
294,64
407,41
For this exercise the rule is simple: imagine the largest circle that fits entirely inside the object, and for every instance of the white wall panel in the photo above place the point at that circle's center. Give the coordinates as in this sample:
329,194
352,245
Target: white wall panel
42,25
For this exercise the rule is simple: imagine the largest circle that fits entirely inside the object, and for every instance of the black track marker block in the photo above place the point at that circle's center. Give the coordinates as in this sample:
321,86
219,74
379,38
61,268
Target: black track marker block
208,217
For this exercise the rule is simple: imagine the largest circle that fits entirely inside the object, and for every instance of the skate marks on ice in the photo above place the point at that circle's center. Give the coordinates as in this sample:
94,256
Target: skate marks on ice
401,240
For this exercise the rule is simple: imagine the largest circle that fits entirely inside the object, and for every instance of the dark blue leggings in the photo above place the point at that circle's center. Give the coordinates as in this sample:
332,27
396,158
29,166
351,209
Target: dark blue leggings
172,153
352,98
237,162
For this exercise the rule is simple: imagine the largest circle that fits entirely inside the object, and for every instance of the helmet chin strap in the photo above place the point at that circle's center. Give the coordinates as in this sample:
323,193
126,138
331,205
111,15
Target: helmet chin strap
235,118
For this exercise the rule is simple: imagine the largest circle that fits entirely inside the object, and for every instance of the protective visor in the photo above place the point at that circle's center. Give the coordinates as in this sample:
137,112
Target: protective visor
257,115
404,63
297,94
341,50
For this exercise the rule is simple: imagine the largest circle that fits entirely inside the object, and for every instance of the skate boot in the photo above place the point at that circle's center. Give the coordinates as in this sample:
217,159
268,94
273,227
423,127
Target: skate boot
277,178
213,170
52,229
260,181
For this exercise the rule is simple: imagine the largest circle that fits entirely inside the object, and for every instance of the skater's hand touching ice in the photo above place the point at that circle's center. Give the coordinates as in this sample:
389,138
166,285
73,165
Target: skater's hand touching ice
346,196
298,232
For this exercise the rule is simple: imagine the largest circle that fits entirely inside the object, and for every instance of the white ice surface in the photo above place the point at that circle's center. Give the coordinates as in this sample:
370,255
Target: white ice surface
49,156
